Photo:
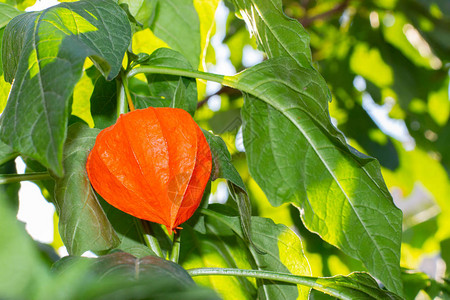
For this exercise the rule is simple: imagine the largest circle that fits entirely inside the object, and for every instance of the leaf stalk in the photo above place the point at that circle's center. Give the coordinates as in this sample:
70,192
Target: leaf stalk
13,178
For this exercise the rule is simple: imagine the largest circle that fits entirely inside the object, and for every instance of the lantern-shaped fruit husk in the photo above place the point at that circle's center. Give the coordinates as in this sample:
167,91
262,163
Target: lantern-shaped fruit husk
153,164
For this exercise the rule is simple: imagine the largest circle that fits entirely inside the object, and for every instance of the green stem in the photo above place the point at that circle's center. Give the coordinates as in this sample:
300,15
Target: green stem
150,240
127,92
175,254
12,178
225,80
283,277
122,105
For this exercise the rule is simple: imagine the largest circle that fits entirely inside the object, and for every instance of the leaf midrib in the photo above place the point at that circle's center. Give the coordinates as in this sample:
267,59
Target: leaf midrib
249,89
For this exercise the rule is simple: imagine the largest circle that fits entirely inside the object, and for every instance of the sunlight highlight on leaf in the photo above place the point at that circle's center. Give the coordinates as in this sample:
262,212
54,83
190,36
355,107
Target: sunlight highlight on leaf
145,41
81,106
288,242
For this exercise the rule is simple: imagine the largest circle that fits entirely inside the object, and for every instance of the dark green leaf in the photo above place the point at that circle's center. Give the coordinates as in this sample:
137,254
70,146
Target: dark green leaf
129,230
103,100
223,168
316,170
176,23
83,224
167,86
44,52
180,100
129,266
9,193
123,276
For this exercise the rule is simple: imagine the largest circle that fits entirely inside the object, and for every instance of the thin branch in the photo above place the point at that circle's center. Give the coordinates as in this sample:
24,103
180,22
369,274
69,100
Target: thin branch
312,282
175,254
127,92
13,178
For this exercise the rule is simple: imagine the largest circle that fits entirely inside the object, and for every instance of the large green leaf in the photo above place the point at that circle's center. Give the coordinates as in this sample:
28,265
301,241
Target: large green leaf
44,52
122,276
176,22
316,170
275,33
83,224
281,251
129,266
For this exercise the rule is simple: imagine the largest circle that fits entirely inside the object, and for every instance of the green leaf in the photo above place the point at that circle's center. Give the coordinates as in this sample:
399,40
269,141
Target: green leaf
38,45
357,285
167,86
83,224
103,100
129,266
275,33
7,12
206,12
180,100
282,249
123,276
223,168
216,249
19,4
176,22
6,153
316,170
128,230
9,193
141,10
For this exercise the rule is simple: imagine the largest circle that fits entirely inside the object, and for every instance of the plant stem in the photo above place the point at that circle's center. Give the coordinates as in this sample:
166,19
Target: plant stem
12,178
150,240
122,105
283,277
127,92
225,80
175,254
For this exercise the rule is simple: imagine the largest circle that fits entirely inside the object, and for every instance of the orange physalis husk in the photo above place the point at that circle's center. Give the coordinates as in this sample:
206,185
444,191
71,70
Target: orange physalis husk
153,164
